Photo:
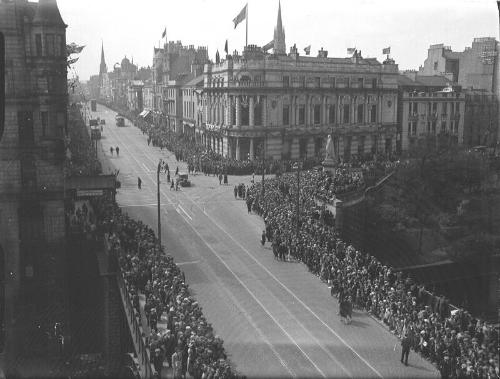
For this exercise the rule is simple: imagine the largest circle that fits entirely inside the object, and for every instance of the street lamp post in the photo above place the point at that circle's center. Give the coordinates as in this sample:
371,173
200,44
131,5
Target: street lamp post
158,197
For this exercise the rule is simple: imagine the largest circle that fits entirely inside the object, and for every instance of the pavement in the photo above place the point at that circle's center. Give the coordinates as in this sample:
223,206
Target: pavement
276,318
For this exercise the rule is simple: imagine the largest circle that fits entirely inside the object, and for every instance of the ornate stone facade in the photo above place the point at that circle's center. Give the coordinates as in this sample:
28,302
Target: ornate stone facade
288,104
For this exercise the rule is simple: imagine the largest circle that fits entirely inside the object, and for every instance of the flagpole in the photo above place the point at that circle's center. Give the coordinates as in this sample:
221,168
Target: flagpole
246,34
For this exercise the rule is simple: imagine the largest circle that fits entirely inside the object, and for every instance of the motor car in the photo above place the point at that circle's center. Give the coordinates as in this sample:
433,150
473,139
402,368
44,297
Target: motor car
182,179
120,121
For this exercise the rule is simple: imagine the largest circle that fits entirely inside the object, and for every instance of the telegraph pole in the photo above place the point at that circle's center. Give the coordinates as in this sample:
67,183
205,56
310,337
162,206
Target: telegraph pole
158,196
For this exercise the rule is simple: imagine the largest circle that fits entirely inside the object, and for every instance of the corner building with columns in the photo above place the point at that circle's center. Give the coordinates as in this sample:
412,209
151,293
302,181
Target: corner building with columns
285,105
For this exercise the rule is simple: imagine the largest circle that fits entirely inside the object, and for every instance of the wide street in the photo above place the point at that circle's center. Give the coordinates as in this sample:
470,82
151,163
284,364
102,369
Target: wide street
276,319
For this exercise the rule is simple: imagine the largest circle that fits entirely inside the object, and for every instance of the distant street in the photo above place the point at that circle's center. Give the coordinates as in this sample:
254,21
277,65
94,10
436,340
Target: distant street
276,319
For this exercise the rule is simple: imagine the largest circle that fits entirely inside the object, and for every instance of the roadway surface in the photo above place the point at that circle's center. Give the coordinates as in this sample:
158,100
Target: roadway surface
276,318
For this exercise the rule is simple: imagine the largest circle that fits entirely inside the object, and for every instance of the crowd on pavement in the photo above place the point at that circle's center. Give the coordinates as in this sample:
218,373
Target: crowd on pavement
460,345
81,156
180,334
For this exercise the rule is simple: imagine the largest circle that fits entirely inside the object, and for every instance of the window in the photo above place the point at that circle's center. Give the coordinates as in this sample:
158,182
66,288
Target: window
361,145
317,82
412,128
347,147
374,144
317,114
331,114
373,113
444,108
434,108
361,113
347,82
374,83
38,45
433,126
44,118
302,81
318,146
286,81
303,147
286,115
302,115
59,46
452,108
50,45
360,82
435,66
332,82
443,126
428,126
346,115
25,124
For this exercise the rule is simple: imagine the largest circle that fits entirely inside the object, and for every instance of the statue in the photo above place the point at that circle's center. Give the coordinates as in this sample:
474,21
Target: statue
330,149
330,157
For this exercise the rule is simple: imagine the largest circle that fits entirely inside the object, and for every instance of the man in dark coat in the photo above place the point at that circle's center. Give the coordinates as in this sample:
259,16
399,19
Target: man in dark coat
405,351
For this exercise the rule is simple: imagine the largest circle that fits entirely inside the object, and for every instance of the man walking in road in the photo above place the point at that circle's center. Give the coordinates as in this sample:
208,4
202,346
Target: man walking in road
405,345
111,150
139,182
117,151
235,191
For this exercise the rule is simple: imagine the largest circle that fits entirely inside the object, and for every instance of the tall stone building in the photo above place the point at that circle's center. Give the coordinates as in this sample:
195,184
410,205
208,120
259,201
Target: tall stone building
284,106
475,69
174,66
32,218
430,111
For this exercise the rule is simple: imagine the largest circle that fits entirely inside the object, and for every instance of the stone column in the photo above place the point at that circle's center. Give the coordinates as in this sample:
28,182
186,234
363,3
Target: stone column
238,111
230,120
251,149
264,111
379,109
324,111
238,148
308,110
205,109
251,110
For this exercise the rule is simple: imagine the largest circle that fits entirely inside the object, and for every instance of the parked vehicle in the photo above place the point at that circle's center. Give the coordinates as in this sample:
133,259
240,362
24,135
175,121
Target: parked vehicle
120,121
182,179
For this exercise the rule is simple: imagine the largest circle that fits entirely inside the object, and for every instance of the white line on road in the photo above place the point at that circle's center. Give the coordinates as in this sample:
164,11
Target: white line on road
182,209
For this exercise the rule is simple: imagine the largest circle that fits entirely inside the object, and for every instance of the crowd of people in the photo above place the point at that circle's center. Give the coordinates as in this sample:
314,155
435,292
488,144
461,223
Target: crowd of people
180,334
459,344
82,159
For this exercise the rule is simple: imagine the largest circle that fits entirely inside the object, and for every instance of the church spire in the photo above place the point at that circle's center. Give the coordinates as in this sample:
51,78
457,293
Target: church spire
279,35
103,69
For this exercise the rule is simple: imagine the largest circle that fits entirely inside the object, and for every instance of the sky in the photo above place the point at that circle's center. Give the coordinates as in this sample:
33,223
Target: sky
133,28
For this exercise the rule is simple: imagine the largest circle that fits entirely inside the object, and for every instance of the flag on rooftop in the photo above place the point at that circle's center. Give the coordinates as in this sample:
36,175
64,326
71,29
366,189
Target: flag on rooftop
164,33
387,50
307,49
351,50
241,16
226,49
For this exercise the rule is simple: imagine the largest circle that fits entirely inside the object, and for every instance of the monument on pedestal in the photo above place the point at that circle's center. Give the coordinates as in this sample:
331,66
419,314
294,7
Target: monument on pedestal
330,162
